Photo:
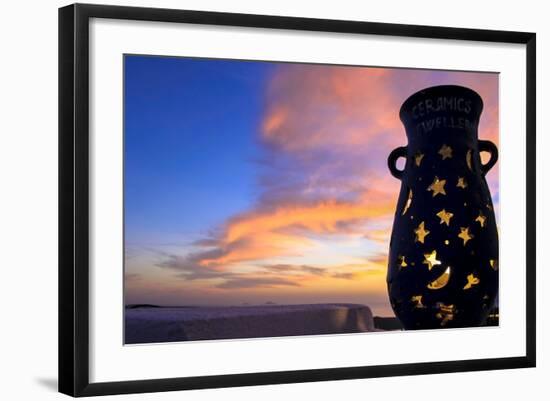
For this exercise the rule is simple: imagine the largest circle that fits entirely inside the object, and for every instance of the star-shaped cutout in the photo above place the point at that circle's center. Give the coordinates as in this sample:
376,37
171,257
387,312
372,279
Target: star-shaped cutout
445,217
446,152
481,219
446,313
465,234
430,259
461,183
402,262
437,186
421,233
417,300
418,158
472,280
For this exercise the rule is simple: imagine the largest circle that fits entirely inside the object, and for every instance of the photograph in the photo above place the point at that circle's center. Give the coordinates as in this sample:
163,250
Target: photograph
267,199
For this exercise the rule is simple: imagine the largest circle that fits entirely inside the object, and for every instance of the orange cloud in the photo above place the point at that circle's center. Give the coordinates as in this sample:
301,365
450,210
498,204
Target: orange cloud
286,229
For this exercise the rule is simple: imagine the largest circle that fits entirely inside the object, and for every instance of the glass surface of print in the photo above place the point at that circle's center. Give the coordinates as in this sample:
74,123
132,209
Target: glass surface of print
258,202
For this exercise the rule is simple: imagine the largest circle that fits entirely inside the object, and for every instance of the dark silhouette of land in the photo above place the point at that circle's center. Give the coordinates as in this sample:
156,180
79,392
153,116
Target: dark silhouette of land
136,306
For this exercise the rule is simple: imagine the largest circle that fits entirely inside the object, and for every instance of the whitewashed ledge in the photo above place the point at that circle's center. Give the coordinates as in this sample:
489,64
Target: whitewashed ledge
165,324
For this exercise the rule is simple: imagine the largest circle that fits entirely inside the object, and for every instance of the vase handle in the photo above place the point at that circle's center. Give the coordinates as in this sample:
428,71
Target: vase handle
392,159
488,146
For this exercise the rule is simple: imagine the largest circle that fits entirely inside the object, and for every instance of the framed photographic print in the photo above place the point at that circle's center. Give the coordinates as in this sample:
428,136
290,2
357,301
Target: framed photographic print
250,199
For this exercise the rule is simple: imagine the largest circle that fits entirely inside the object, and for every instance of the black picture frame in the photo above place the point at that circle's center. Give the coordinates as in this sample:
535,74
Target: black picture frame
74,198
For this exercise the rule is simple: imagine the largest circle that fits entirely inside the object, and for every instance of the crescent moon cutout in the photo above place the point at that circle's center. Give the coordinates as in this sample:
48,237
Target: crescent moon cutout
469,159
408,203
441,281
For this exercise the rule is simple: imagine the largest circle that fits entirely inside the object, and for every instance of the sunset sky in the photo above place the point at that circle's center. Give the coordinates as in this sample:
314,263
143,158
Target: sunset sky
256,182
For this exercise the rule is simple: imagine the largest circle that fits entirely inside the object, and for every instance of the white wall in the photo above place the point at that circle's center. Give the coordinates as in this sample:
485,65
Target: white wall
28,197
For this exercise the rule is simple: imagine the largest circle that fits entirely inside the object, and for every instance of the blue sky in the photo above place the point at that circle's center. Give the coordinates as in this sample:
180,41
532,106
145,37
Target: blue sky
190,140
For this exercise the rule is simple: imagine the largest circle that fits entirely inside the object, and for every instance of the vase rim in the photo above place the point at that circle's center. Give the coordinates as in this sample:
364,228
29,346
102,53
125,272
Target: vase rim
434,91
